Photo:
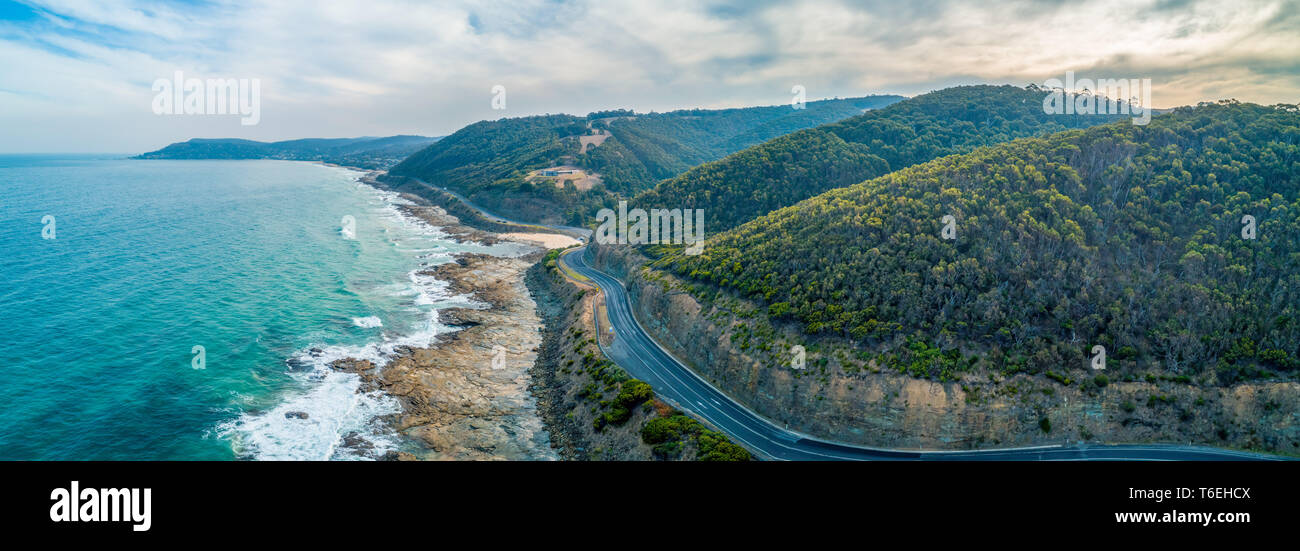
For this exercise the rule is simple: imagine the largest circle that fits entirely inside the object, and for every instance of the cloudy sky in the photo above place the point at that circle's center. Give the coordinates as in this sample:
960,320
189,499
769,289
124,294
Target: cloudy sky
76,76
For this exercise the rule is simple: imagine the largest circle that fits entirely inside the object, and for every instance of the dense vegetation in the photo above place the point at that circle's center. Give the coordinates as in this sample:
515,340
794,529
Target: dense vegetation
486,152
1129,237
797,166
369,153
671,434
488,161
652,147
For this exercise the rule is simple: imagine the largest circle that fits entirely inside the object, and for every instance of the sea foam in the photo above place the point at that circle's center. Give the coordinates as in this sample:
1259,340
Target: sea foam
327,417
368,322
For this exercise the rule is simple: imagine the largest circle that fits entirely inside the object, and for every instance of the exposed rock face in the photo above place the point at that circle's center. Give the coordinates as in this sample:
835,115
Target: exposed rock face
891,410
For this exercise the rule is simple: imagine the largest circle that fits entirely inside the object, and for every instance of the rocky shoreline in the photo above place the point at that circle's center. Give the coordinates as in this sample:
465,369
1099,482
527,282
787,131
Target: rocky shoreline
518,379
467,395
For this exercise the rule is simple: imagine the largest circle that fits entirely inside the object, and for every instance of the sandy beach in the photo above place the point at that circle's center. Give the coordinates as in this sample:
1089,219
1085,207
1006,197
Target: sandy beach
546,240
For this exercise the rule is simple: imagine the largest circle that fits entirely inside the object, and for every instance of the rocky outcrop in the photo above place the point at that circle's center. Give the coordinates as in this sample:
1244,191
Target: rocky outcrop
482,391
467,397
836,398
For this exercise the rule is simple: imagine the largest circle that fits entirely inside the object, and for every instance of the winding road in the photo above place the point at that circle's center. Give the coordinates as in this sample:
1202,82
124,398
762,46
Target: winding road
643,358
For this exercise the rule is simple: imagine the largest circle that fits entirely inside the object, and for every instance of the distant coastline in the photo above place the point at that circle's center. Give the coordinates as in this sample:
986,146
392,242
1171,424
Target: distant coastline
364,153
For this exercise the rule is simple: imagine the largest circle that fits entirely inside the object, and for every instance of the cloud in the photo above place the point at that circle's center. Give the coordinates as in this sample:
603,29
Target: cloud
77,75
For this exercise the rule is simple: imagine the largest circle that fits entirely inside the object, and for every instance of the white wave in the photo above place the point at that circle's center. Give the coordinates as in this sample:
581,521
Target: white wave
428,289
326,417
329,420
368,322
337,414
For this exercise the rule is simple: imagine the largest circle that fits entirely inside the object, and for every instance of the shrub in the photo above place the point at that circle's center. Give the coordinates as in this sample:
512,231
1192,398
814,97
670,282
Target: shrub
715,447
618,415
668,450
661,430
1059,378
634,392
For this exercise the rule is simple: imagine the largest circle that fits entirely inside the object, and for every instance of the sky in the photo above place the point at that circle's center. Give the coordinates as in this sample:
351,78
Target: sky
78,75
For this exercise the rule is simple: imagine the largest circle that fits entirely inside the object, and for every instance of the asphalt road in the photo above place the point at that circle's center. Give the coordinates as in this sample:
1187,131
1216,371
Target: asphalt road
644,359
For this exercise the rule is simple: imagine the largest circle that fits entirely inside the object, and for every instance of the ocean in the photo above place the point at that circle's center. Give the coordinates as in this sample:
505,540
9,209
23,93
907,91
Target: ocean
189,310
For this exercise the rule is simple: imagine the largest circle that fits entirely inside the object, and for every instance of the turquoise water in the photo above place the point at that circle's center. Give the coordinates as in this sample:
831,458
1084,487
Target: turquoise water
248,259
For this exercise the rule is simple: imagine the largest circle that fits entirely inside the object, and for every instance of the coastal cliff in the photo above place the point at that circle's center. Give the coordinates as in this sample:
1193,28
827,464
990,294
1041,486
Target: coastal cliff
733,345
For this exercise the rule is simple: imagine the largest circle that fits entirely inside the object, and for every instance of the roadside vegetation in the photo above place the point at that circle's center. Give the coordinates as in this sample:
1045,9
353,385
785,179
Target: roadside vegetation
597,403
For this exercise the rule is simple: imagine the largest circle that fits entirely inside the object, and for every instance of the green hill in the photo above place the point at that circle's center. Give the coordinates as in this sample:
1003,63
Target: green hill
489,161
1124,236
791,168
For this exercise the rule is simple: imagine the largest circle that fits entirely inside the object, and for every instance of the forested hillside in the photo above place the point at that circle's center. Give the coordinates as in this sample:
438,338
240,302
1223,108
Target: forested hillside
489,161
791,168
1129,237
